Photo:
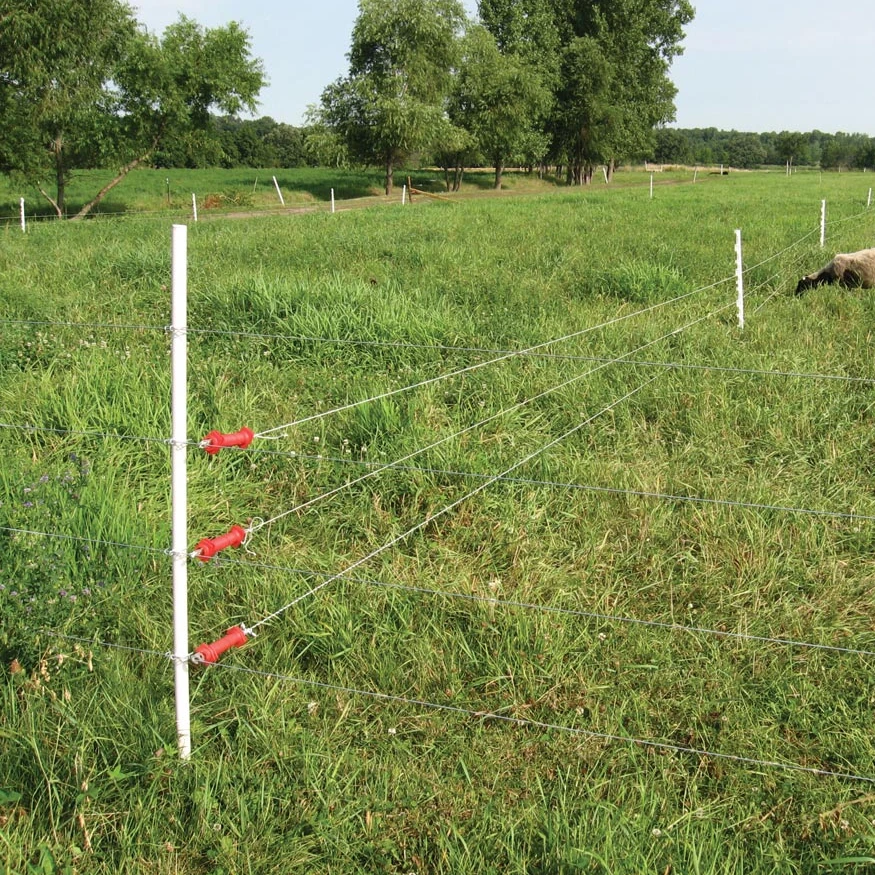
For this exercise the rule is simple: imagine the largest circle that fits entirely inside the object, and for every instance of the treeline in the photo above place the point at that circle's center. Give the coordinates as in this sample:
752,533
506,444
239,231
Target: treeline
746,150
234,142
264,142
573,83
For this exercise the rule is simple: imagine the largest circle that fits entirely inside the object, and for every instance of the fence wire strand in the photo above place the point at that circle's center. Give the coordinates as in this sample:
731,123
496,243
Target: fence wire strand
493,361
484,716
494,601
526,722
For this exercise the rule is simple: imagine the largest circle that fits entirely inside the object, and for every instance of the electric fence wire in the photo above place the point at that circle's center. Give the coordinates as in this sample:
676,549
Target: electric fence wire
119,326
485,716
447,508
529,723
559,484
82,539
493,361
777,255
854,217
493,601
88,434
262,523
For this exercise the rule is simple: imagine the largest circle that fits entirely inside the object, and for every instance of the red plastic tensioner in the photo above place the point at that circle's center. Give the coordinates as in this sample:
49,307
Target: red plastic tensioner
216,440
208,547
234,637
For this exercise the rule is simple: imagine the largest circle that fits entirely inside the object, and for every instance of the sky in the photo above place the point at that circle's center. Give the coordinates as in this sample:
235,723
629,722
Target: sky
748,65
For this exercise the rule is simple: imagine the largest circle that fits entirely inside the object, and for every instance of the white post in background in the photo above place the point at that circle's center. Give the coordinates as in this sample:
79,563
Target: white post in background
404,194
739,277
178,481
822,223
332,200
869,201
194,205
24,224
279,193
605,171
651,186
721,170
696,175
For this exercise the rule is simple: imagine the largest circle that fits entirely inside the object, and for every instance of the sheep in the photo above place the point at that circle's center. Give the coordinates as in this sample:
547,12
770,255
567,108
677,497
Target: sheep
847,269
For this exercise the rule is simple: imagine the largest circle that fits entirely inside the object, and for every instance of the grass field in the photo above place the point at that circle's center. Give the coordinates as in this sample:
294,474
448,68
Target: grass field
162,194
515,687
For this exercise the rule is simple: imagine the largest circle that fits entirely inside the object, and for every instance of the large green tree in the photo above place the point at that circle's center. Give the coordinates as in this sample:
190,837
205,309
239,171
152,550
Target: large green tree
56,58
401,60
499,100
610,60
82,84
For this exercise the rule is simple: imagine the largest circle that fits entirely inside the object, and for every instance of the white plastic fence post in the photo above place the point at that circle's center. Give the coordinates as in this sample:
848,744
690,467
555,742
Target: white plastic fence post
605,171
279,193
651,186
869,201
332,200
822,223
24,224
178,482
696,175
404,194
194,205
739,277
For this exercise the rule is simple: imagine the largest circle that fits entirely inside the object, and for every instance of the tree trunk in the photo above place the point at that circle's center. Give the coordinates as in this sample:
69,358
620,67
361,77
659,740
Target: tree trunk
447,179
390,175
108,188
611,168
499,172
457,181
60,177
51,200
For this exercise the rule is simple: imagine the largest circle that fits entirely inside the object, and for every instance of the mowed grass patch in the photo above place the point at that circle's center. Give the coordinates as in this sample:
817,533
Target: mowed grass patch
516,686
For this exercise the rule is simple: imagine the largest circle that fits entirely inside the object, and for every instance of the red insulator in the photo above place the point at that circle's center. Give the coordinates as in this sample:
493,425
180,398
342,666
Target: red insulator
234,637
215,440
208,547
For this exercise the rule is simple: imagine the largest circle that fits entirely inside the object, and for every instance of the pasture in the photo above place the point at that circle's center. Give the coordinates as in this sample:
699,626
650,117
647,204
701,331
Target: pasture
646,649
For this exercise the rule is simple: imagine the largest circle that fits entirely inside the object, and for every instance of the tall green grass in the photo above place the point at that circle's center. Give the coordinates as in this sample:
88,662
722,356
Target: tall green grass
295,767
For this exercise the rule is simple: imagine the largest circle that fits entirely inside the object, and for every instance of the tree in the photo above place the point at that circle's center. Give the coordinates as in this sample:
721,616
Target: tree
744,150
607,62
57,58
585,114
392,102
90,87
791,146
497,99
672,147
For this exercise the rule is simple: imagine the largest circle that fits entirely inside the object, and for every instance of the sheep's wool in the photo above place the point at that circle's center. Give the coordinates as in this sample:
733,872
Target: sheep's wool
847,269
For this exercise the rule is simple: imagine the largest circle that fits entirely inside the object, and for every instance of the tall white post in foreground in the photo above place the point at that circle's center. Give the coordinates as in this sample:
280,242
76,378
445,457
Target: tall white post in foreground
332,200
24,224
404,194
739,278
279,193
178,481
194,205
869,201
822,223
